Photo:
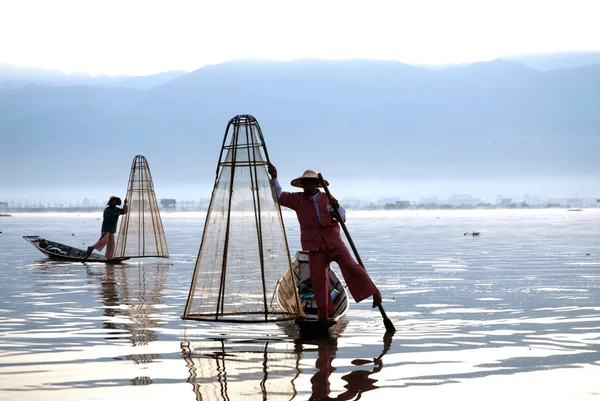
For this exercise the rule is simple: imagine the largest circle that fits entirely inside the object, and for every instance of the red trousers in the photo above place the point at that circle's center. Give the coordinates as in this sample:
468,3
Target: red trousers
108,240
357,279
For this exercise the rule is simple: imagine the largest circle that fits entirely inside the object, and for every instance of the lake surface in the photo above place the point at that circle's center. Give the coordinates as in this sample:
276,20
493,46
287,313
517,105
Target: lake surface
511,313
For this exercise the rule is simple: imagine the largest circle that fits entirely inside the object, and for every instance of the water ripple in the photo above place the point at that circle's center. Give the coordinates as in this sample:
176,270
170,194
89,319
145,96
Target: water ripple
515,309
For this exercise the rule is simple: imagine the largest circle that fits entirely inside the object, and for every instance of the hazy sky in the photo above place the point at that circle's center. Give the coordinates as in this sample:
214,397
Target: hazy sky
140,37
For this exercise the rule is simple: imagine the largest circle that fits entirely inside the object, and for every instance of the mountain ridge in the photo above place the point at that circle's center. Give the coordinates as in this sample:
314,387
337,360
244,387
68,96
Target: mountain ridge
497,120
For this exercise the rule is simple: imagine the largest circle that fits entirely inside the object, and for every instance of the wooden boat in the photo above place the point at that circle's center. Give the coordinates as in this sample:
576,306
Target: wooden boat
141,233
301,276
58,251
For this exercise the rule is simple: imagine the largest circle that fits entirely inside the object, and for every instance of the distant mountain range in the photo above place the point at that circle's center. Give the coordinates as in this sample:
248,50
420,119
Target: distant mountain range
18,77
12,76
356,120
553,61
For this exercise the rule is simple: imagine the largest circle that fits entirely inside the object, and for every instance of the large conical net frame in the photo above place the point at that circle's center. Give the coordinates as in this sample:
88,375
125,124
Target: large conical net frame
141,233
244,250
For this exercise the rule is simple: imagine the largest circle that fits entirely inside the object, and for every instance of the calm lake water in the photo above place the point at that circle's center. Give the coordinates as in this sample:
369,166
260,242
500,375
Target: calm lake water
511,314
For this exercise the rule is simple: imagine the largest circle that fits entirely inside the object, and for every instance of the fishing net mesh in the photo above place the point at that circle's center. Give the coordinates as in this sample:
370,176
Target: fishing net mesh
244,250
141,232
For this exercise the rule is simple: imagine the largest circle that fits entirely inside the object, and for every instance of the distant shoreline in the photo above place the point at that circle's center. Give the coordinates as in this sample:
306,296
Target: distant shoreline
380,208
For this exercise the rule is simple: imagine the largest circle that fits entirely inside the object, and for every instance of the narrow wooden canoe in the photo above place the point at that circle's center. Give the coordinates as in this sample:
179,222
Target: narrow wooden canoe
58,251
301,271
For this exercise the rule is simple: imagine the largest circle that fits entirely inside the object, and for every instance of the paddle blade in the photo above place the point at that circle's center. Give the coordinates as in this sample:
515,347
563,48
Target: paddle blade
389,326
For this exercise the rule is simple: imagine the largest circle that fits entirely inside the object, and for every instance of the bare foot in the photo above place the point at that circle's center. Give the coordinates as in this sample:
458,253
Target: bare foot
88,252
377,300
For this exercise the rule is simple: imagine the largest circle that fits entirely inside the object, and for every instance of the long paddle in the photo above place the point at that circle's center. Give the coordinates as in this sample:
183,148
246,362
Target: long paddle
389,326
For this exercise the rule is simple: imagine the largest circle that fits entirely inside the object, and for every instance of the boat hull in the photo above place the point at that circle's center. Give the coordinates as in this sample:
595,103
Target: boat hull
57,251
301,270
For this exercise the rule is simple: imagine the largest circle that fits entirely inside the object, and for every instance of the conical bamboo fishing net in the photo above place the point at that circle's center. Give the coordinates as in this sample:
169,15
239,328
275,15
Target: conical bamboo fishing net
244,250
141,234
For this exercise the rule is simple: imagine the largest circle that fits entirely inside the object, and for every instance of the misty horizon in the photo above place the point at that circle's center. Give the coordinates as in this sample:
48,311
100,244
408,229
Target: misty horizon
343,189
373,128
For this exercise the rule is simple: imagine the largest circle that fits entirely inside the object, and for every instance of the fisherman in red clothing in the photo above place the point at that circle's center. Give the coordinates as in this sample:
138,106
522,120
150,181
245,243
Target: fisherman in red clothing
320,236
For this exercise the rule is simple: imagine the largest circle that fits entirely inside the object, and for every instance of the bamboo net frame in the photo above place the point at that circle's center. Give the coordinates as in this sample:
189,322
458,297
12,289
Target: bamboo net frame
244,250
141,233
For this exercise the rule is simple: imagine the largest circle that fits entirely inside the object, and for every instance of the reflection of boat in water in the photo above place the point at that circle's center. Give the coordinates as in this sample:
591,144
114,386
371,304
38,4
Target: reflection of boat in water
259,369
226,369
300,270
58,251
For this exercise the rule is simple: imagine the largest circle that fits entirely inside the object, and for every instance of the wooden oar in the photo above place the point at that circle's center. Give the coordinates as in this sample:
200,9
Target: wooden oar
389,326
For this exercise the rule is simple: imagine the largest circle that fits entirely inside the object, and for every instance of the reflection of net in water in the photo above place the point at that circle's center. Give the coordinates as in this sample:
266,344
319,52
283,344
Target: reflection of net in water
241,370
244,250
141,291
132,298
141,233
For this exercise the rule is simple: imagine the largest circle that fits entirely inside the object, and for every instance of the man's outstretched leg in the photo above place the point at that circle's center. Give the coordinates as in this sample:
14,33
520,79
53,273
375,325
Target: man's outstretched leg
356,277
99,246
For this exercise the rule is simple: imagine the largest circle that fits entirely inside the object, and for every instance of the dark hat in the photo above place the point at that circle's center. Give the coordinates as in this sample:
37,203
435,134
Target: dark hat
297,182
117,199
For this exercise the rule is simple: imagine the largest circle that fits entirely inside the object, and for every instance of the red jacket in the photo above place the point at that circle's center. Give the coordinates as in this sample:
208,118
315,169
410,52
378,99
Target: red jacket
313,232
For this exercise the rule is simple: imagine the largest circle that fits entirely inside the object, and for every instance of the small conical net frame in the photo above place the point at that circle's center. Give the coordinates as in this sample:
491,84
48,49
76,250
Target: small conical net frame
244,250
141,234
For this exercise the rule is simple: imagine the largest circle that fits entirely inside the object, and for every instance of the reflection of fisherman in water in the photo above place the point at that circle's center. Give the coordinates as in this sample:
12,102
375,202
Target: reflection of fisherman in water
226,368
140,290
358,381
110,299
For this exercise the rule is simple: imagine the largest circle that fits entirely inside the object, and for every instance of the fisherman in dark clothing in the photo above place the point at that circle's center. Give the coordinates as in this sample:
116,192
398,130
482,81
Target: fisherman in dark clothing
109,227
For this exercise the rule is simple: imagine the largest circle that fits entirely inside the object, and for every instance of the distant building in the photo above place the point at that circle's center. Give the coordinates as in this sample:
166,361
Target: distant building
402,204
506,202
5,204
386,202
461,200
168,203
397,205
